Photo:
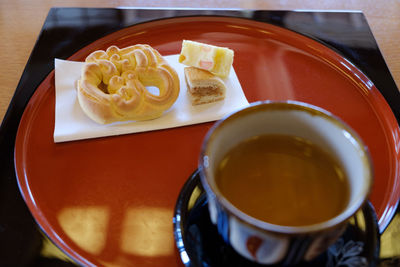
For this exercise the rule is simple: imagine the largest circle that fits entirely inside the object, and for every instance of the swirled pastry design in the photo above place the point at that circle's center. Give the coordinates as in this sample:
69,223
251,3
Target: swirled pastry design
113,84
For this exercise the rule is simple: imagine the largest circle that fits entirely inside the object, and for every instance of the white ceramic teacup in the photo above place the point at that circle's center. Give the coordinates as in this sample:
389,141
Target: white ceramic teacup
261,241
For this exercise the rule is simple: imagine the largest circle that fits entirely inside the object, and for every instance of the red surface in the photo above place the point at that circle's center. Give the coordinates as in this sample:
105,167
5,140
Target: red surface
110,200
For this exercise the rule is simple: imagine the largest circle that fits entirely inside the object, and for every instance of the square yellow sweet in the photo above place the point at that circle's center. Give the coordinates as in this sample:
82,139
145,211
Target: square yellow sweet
215,59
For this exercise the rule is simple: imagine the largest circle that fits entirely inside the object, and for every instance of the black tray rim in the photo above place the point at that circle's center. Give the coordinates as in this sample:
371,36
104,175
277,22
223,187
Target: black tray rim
10,112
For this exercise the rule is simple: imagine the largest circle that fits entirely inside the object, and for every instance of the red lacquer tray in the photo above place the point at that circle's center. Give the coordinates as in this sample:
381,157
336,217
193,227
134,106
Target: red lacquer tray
109,201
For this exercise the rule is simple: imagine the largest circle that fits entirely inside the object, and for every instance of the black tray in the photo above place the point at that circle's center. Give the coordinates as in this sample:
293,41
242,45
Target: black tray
66,30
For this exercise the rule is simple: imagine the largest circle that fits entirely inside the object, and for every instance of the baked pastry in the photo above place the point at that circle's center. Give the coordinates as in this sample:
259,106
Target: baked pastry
113,84
217,60
203,86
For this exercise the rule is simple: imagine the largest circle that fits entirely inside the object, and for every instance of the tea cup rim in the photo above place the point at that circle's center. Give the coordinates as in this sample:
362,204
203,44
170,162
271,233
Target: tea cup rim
360,200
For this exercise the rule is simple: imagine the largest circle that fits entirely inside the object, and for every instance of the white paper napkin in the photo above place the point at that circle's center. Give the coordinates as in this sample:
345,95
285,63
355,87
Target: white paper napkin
71,123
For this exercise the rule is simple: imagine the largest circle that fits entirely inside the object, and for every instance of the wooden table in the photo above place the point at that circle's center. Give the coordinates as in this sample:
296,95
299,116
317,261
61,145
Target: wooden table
21,21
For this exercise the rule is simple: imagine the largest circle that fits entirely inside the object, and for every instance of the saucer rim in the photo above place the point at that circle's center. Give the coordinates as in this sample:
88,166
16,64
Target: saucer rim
193,181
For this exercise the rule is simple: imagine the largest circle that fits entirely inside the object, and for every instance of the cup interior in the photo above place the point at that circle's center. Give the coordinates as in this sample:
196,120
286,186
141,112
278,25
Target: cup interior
297,119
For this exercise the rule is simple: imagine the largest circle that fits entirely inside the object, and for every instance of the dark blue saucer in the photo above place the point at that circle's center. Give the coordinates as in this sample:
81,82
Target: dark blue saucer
199,243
